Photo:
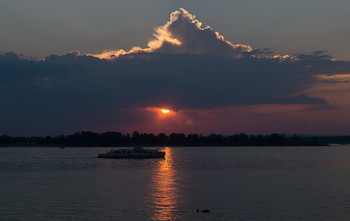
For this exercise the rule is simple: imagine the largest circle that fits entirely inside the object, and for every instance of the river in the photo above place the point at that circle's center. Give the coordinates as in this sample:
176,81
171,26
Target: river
233,183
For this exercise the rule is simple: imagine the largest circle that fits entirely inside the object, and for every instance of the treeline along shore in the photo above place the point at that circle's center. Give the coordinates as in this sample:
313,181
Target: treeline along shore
115,139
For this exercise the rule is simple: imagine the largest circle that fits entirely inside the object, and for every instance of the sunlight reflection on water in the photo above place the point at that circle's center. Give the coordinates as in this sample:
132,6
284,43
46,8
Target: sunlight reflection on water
164,194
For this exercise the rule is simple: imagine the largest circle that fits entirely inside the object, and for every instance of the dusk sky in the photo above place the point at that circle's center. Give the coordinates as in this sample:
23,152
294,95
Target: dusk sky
257,66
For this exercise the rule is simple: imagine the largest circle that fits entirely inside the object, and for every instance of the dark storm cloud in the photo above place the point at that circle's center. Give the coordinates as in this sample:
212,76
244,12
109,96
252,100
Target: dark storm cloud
139,80
70,90
186,66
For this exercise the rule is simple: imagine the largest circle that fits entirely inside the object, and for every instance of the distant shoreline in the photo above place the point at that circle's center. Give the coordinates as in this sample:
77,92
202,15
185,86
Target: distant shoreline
47,146
161,146
117,139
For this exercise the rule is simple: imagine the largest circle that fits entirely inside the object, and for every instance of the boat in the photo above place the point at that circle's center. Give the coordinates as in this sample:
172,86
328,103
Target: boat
135,153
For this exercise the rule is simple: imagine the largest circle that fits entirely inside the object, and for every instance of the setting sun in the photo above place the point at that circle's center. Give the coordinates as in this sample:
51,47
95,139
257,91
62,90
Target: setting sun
165,111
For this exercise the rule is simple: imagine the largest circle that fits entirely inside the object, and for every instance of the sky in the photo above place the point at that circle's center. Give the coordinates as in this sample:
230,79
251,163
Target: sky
226,67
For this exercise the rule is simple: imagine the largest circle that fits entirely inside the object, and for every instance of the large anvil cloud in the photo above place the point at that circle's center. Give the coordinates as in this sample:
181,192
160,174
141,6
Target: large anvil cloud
184,34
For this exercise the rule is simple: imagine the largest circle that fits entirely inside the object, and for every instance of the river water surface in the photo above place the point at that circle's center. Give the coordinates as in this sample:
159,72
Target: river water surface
234,183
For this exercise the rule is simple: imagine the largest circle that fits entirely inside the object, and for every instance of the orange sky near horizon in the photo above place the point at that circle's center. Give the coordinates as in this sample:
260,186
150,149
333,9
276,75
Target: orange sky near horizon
331,118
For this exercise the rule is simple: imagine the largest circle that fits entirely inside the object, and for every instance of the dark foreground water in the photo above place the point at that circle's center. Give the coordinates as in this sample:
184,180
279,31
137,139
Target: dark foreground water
234,183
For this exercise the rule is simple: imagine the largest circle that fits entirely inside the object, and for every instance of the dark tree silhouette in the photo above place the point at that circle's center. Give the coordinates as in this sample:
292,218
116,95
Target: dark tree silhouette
112,139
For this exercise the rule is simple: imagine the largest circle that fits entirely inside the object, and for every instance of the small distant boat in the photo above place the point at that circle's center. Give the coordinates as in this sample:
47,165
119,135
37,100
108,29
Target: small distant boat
135,153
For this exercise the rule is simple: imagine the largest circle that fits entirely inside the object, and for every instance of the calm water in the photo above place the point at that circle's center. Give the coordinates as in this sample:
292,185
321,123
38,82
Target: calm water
234,183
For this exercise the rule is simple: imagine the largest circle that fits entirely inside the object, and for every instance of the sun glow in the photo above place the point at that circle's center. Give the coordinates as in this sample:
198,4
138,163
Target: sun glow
165,111
162,113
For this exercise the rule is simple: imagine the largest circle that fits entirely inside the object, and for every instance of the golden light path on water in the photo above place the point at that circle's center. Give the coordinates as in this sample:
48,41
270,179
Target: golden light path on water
164,196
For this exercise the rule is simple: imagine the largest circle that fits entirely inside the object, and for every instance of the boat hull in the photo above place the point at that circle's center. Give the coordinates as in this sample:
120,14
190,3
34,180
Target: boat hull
132,155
